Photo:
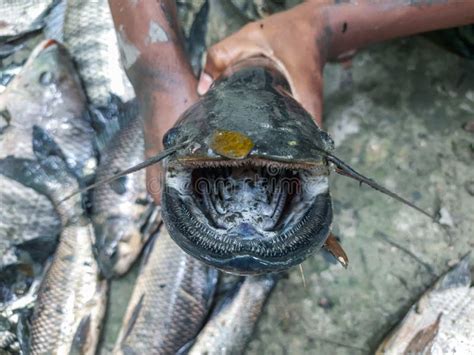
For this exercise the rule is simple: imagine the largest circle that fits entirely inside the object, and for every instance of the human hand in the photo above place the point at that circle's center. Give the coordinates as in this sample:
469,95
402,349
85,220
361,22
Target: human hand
161,109
156,64
290,40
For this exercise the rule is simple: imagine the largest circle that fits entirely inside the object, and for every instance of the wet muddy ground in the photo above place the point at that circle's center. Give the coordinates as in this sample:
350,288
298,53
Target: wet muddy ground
399,115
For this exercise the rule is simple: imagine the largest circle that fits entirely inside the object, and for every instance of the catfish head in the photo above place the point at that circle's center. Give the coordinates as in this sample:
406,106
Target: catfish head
246,186
250,194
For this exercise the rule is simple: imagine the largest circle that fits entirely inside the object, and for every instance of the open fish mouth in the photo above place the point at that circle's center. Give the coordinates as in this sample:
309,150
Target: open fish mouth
246,176
248,216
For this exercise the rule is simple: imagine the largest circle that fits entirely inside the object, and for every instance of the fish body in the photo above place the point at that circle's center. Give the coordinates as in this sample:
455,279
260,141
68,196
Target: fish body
22,16
47,149
170,301
120,210
231,324
441,322
40,145
249,194
56,113
90,36
72,298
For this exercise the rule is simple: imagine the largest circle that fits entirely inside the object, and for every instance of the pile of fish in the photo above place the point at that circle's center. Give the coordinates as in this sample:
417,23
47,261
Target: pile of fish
67,118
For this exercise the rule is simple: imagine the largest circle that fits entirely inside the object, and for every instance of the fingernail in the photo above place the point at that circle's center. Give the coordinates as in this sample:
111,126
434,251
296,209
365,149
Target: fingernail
205,82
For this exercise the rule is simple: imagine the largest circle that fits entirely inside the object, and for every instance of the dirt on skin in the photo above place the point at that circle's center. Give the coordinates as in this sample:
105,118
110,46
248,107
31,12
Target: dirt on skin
397,115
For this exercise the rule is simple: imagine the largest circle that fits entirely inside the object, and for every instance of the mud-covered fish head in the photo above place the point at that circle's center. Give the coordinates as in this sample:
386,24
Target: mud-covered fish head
250,194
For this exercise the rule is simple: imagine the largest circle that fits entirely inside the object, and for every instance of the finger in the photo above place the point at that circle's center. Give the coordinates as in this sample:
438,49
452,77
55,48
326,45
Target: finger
205,82
243,44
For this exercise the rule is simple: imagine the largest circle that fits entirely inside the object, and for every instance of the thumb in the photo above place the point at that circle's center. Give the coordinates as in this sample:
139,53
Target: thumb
229,51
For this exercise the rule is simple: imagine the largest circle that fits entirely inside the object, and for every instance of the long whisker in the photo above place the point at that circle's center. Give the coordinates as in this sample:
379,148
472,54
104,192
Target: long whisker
153,160
344,169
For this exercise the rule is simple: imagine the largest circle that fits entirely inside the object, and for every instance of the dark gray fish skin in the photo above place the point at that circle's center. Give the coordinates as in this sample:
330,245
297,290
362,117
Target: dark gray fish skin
121,209
56,105
231,324
170,301
222,228
89,35
263,92
72,298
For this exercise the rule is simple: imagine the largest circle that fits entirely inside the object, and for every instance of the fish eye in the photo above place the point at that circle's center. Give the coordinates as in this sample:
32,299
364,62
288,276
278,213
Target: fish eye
169,138
46,78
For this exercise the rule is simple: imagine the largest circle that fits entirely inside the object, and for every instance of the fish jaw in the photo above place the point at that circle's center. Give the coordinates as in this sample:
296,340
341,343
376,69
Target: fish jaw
243,228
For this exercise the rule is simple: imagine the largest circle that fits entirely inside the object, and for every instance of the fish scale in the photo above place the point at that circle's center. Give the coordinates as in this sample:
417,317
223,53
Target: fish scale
169,303
231,325
121,209
89,35
71,299
20,16
442,320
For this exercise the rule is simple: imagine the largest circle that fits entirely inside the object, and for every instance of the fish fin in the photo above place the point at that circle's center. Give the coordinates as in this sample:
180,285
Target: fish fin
346,170
422,341
150,221
151,161
458,276
80,337
105,127
150,245
332,245
133,318
211,283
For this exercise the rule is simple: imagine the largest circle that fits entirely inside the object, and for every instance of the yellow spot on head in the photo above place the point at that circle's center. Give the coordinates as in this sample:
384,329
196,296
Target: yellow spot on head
231,144
292,143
